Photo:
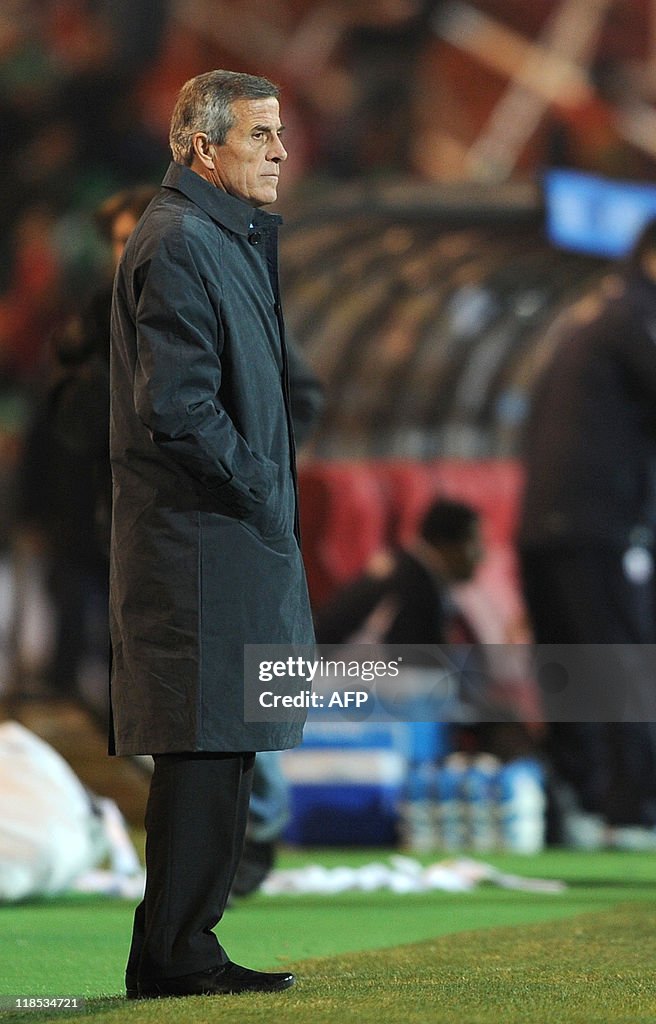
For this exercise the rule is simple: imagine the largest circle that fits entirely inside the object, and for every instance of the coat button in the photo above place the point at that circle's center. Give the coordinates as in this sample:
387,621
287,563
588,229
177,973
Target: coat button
255,238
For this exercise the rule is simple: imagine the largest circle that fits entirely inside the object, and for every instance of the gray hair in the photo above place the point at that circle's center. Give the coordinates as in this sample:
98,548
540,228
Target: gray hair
204,104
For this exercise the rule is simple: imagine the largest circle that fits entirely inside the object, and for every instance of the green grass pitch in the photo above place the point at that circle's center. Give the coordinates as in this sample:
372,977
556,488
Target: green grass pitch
492,956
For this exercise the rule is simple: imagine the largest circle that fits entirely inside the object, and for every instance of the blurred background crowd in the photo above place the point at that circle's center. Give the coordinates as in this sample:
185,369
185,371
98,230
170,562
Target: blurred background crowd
418,276
403,90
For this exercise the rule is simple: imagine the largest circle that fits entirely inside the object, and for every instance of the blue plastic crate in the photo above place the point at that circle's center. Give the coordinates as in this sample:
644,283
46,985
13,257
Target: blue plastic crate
344,798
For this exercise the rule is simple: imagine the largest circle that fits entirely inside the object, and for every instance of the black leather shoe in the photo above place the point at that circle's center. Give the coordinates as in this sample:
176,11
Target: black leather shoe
228,979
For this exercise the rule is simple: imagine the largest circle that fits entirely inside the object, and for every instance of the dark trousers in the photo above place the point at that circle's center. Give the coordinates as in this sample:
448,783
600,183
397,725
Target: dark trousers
195,824
80,597
583,595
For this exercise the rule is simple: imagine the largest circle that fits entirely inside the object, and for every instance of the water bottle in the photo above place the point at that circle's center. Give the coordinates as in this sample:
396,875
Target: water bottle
522,806
479,785
450,823
416,809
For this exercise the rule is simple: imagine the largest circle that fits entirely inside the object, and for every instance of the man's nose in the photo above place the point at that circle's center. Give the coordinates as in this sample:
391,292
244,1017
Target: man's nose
278,151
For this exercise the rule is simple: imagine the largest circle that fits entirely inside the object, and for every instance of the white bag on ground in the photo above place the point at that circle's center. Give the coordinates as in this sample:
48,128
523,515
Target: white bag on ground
49,833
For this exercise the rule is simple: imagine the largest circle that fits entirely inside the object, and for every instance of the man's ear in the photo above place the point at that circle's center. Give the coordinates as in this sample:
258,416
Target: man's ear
203,149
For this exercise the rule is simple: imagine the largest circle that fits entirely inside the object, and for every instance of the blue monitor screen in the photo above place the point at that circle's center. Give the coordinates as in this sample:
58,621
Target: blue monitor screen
595,215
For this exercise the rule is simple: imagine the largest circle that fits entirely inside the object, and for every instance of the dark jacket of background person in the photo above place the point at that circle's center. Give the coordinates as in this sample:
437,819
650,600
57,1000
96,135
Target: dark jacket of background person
404,597
205,551
587,548
56,495
413,605
590,451
59,485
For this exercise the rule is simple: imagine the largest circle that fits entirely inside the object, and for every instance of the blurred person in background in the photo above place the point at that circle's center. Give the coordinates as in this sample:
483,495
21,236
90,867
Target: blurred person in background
80,398
409,596
587,542
66,483
404,596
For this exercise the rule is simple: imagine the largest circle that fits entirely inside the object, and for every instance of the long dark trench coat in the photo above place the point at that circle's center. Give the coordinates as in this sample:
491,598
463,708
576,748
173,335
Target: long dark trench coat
205,555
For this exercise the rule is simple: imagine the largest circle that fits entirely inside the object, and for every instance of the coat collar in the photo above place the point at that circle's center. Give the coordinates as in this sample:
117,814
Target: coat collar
231,213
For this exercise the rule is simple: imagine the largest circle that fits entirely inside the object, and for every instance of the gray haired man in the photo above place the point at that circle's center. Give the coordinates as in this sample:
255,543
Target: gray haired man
205,554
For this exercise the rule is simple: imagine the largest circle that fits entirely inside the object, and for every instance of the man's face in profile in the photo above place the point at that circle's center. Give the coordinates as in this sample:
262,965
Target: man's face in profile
247,165
462,558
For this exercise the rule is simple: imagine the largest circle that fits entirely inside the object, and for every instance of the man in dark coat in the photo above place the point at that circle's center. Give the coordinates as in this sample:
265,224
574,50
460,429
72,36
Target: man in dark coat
205,555
587,538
